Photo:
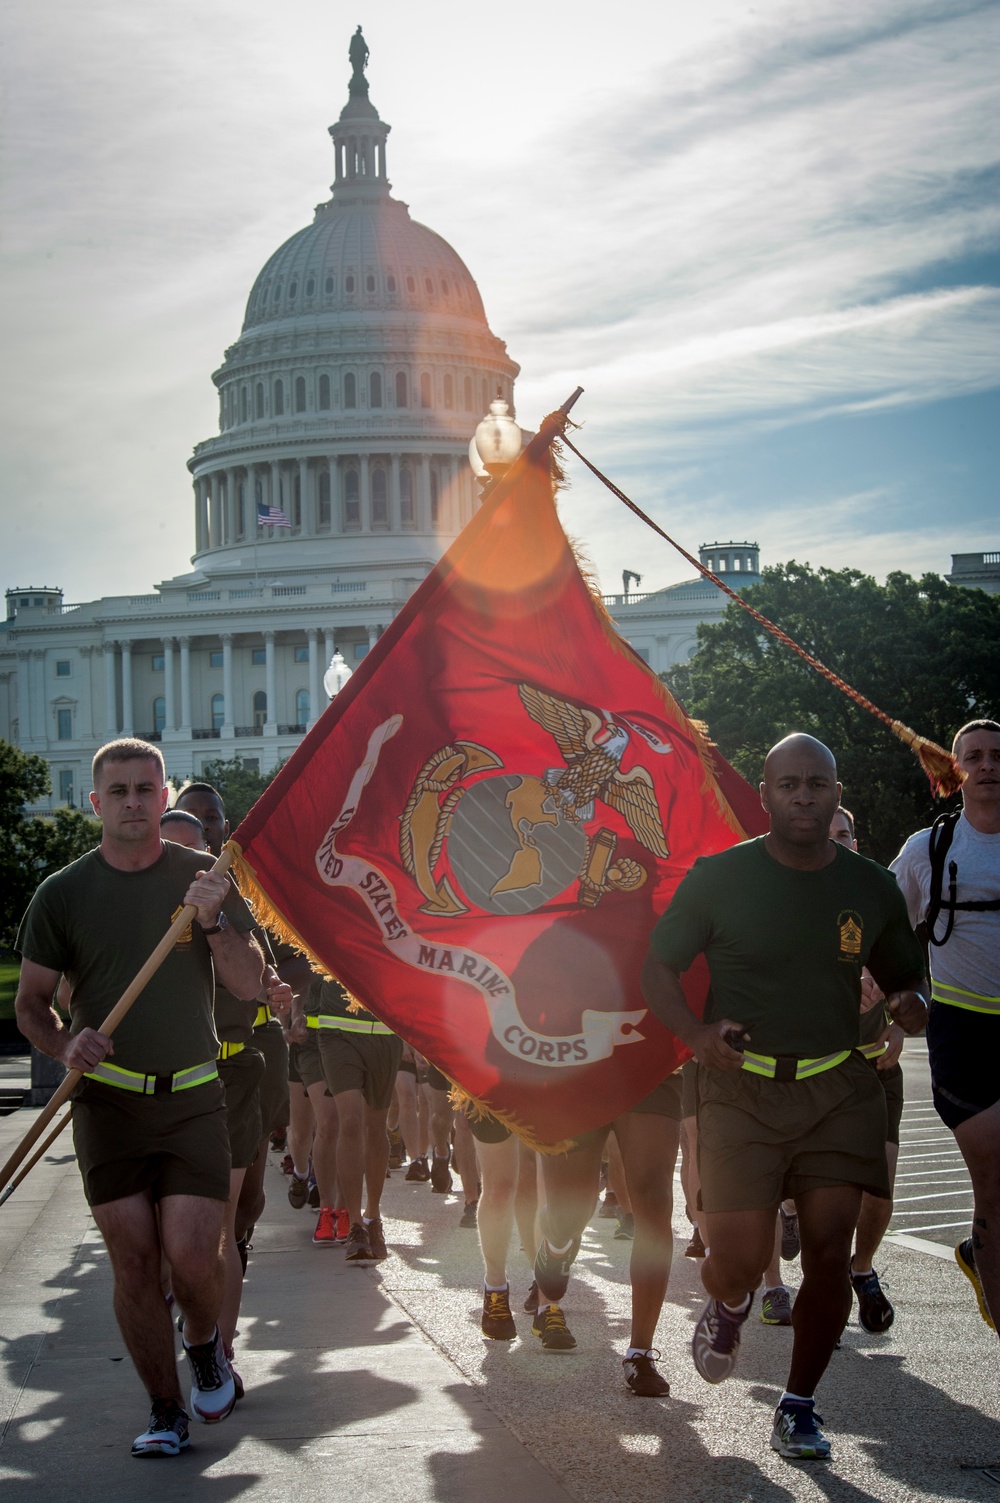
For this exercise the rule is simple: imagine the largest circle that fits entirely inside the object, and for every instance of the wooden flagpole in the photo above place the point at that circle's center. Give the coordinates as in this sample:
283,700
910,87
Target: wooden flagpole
114,1017
39,1152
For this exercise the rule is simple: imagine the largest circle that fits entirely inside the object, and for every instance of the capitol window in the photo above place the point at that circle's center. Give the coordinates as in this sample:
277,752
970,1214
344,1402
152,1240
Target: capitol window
380,498
244,404
350,390
259,400
302,654
159,715
375,389
156,662
302,706
277,293
444,287
435,499
310,286
300,393
279,398
411,284
352,499
348,284
402,395
449,392
258,656
215,657
293,291
328,286
369,284
429,286
218,712
390,283
406,515
324,393
259,710
324,500
62,668
425,389
467,393
64,721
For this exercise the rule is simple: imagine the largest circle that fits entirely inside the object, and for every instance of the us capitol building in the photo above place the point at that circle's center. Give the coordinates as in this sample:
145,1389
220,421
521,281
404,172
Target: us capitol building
347,405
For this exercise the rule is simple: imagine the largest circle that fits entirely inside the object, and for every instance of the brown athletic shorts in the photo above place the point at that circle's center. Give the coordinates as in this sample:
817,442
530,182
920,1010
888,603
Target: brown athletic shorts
128,1144
270,1040
365,1062
307,1061
689,1089
241,1076
436,1080
891,1081
762,1140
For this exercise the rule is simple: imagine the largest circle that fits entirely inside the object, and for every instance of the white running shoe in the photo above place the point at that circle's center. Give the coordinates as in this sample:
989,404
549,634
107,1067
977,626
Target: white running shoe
213,1391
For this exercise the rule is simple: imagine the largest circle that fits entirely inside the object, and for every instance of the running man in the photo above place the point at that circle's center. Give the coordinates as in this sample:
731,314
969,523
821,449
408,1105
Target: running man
950,877
786,923
149,1119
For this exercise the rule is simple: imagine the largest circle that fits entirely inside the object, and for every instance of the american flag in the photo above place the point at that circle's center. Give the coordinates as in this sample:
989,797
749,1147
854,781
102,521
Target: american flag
271,516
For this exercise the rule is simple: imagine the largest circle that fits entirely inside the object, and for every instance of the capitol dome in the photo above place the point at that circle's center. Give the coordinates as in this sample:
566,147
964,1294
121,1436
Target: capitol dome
347,403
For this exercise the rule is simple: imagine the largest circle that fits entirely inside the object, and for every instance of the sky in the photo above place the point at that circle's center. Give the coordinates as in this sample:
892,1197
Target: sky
764,238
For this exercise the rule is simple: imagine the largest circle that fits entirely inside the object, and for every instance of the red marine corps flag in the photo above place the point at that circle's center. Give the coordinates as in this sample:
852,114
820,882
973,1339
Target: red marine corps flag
479,833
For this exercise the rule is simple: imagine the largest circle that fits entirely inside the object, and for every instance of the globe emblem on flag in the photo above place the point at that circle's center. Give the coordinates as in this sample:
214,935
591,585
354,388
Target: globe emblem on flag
510,848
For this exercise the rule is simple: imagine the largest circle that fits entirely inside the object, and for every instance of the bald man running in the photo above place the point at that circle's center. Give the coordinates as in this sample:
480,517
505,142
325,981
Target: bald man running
786,923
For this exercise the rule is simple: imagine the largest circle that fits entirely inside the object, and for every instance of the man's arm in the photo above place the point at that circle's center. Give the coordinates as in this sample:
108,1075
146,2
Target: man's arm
665,997
908,1006
237,957
42,1026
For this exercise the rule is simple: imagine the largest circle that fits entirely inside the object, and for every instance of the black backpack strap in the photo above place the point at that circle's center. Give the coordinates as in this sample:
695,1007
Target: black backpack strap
941,837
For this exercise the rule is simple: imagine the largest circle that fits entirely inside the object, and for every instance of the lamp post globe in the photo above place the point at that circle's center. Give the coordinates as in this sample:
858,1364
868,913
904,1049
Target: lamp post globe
497,439
336,676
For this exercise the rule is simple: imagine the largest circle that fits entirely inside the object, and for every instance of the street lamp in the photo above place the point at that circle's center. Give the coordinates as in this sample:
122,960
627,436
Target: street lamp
336,676
496,444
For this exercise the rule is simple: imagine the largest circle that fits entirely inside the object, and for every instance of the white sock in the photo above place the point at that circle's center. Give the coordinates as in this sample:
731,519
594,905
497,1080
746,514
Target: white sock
797,1398
773,1288
736,1309
559,1250
549,1304
496,1288
300,1173
638,1351
860,1273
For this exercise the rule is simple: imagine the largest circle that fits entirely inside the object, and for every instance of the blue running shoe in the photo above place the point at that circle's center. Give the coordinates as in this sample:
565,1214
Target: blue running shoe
796,1434
716,1340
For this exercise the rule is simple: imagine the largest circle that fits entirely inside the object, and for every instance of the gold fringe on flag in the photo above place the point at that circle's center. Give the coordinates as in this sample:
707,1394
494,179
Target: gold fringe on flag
943,772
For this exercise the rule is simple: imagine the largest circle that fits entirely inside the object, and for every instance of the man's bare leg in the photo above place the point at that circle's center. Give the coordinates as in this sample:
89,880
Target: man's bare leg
649,1145
526,1200
376,1160
465,1159
191,1229
741,1244
827,1219
325,1143
873,1223
407,1094
979,1140
499,1166
232,1287
251,1204
130,1231
301,1127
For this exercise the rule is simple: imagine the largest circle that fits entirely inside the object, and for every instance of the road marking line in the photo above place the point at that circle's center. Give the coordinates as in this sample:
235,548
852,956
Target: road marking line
922,1244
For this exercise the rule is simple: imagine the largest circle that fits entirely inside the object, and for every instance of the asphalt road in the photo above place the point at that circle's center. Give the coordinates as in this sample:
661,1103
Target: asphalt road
933,1198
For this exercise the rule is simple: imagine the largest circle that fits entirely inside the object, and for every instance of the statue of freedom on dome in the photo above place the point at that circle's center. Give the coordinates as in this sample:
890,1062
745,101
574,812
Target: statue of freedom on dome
358,53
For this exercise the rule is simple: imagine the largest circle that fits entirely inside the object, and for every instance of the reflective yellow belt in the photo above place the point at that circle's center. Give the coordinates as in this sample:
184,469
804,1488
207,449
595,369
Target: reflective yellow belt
226,1051
872,1051
785,1067
153,1085
263,1016
346,1025
954,996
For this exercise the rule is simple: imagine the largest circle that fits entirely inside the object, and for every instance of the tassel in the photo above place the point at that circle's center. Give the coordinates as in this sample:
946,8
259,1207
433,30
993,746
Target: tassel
942,769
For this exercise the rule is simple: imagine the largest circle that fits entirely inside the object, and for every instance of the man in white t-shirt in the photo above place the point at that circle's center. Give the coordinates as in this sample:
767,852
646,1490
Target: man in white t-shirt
950,877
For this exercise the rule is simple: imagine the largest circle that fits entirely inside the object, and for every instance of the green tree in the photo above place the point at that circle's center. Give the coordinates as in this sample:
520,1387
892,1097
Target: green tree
239,786
922,650
31,848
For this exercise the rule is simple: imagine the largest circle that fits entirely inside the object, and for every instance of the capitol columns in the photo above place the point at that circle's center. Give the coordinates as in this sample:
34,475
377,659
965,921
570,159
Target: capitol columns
228,725
336,520
308,511
215,512
424,495
169,698
110,689
229,522
270,686
128,713
86,723
312,633
395,500
366,495
185,684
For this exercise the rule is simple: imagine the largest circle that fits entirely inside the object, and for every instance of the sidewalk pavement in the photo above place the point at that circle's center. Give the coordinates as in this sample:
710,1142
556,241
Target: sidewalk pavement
375,1382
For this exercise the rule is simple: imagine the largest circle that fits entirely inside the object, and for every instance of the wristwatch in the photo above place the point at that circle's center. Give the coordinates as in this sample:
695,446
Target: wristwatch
219,927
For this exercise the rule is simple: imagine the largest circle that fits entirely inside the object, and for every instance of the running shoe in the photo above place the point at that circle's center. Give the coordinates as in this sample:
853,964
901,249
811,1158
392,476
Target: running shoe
440,1175
789,1234
213,1391
608,1208
286,1164
965,1257
498,1322
343,1225
716,1340
325,1234
552,1269
643,1376
397,1153
279,1139
313,1195
419,1170
796,1432
776,1307
874,1311
376,1239
298,1191
359,1249
696,1247
167,1434
625,1230
550,1324
470,1216
533,1299
243,1251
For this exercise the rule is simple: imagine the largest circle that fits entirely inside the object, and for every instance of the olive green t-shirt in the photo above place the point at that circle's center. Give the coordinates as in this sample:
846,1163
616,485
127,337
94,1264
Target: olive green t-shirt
785,947
234,1016
99,926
